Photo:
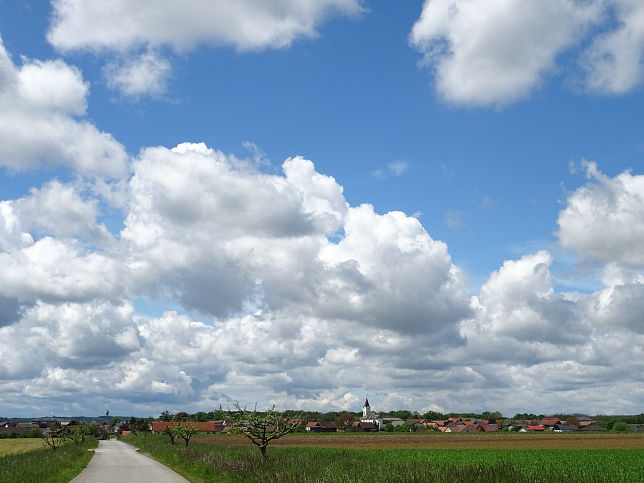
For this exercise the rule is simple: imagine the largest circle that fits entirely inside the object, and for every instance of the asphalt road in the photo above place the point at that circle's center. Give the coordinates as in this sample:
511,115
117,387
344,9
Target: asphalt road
117,462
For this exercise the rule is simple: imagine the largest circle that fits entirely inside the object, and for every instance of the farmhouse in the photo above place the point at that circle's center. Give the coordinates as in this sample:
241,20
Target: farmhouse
562,427
549,422
204,427
585,421
394,421
591,427
321,427
366,427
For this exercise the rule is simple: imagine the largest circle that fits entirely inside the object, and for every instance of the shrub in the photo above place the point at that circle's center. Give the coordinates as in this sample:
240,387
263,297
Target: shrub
620,427
31,433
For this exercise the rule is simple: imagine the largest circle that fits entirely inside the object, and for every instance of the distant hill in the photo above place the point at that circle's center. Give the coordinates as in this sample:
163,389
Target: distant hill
82,419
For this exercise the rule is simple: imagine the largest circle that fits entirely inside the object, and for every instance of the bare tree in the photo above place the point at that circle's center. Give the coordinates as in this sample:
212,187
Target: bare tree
262,428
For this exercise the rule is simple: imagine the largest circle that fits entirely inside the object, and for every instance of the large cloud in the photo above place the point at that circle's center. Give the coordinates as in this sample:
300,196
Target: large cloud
560,351
614,59
604,220
271,244
491,52
286,294
42,105
294,286
519,301
125,27
245,24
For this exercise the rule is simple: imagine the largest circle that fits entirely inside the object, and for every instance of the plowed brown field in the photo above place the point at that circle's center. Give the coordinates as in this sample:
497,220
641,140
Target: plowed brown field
446,441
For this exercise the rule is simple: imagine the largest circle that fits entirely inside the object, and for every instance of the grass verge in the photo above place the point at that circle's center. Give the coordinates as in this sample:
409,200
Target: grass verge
201,462
40,465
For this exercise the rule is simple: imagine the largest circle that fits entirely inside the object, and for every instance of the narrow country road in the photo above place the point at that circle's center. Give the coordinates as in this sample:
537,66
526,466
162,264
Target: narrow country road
117,462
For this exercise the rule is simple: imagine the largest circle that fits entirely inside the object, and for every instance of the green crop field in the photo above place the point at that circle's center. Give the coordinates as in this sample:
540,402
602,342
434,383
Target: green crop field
19,445
202,462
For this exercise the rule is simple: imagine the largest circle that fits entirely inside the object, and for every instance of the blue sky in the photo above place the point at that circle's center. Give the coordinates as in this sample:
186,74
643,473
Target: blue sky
462,183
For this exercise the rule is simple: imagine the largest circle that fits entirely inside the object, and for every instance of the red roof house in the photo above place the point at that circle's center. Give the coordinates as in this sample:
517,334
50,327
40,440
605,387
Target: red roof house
202,426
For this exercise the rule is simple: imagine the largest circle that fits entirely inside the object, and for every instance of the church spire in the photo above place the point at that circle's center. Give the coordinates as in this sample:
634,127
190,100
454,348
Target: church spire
366,402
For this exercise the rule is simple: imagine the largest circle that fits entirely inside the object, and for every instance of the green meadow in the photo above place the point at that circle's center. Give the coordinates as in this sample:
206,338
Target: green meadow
19,445
39,464
204,462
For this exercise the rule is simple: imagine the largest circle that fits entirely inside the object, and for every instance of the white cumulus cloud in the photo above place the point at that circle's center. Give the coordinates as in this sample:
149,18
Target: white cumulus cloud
126,27
613,62
493,52
42,104
146,74
245,24
282,292
604,220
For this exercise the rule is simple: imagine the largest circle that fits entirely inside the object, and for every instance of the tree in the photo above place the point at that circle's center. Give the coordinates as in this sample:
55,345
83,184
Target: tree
54,439
621,426
185,431
262,428
433,415
76,433
492,417
405,428
181,416
142,425
344,419
31,433
169,432
92,429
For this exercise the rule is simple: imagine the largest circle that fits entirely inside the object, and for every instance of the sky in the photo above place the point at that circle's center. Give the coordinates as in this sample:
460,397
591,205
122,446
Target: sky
437,205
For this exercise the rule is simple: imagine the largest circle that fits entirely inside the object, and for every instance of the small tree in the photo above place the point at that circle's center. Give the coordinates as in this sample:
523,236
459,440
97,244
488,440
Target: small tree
185,431
31,433
343,420
54,439
76,433
91,429
181,416
142,425
262,428
621,426
169,432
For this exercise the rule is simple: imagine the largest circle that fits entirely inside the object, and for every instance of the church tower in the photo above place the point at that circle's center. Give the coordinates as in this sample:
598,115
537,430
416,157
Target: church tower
366,409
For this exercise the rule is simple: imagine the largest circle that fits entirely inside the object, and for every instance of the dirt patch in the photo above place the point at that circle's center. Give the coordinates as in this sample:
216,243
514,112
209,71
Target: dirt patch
430,441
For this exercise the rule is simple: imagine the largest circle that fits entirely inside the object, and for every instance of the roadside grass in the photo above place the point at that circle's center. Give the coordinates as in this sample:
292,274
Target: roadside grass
202,462
19,445
45,465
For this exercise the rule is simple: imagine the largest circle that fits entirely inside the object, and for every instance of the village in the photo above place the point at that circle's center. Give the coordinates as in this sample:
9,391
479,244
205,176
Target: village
369,421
